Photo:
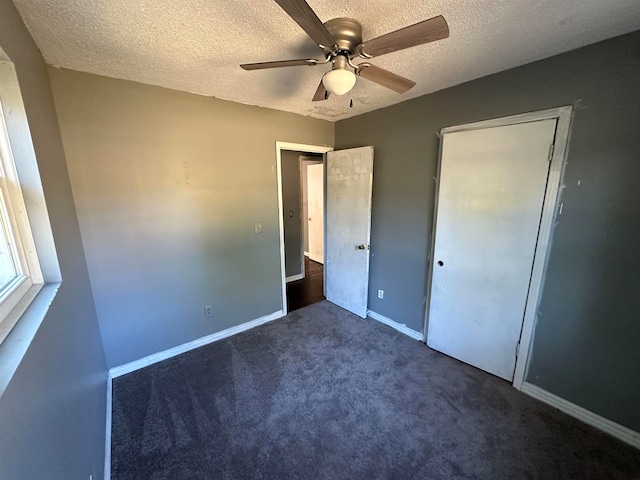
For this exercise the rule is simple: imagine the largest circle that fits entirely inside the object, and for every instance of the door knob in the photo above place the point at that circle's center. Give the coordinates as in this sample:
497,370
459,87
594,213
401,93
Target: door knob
362,247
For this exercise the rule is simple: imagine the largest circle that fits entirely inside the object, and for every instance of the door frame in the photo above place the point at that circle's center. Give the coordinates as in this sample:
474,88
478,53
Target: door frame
296,147
306,253
550,210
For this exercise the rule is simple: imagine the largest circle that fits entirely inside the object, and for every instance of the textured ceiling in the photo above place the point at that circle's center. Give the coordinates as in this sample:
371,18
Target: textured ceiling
197,45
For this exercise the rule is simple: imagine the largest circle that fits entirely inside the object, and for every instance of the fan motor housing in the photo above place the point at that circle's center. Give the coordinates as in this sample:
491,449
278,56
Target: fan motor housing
347,33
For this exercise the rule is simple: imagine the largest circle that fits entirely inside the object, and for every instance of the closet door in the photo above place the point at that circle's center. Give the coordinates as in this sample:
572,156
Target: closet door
491,190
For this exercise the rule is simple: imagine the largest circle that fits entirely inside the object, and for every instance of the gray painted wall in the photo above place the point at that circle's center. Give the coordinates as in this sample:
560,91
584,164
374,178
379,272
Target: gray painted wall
52,414
587,336
168,186
291,202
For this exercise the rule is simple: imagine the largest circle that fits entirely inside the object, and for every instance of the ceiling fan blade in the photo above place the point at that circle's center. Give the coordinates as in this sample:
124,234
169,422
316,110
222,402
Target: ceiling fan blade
304,16
435,28
321,93
385,78
281,63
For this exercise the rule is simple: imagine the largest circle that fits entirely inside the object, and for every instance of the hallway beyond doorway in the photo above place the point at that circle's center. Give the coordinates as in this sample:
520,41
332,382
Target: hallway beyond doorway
309,290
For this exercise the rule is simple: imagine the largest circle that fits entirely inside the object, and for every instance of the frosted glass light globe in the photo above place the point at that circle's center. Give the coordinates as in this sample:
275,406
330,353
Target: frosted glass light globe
339,81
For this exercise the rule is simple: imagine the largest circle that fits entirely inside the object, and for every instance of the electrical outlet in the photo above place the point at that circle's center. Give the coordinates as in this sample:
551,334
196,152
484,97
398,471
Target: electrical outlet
380,294
257,227
208,310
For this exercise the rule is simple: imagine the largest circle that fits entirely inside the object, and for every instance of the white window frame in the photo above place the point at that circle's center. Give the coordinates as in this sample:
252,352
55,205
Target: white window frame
15,298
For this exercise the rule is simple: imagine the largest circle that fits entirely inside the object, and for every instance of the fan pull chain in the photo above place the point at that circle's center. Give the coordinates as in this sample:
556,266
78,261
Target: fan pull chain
351,103
326,94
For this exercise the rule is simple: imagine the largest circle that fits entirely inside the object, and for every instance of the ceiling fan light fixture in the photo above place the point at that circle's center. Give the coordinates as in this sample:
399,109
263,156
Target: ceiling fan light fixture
339,82
340,40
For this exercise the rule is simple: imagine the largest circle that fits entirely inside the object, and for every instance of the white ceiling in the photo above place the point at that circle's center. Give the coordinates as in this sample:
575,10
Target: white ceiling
197,45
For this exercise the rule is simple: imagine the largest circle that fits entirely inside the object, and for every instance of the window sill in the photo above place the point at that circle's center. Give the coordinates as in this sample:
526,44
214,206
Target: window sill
31,311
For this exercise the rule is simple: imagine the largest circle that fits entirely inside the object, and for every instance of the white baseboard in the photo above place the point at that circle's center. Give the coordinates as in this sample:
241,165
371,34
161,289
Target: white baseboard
107,435
612,428
401,327
306,254
293,278
172,352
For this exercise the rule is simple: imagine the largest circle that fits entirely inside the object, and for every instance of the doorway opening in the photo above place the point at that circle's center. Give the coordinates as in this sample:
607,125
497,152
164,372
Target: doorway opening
301,171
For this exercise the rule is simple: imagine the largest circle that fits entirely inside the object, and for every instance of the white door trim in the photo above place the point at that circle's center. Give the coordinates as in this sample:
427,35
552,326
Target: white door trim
549,212
295,278
107,434
316,257
296,147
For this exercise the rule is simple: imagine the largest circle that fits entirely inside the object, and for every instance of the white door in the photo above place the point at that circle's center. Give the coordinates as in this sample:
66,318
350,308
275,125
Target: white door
492,183
349,182
315,211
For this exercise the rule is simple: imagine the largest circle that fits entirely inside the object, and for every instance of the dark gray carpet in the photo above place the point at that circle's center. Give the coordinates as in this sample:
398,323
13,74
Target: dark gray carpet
323,394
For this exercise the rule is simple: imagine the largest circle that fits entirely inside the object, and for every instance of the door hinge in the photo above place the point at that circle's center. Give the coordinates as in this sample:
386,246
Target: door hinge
551,148
517,348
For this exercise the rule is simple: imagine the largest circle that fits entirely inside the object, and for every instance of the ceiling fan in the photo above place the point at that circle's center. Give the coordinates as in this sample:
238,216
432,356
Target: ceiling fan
340,40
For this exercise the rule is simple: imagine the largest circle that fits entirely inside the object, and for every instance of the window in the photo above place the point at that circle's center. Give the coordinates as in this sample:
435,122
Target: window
20,272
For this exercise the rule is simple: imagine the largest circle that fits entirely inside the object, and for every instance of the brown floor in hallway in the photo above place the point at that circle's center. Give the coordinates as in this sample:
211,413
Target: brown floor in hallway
309,290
